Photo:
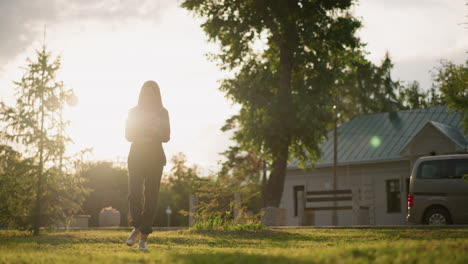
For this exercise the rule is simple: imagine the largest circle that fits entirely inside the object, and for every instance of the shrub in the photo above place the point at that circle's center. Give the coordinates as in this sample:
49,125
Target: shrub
218,210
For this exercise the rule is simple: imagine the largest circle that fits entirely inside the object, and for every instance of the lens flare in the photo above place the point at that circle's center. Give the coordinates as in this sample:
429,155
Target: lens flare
375,141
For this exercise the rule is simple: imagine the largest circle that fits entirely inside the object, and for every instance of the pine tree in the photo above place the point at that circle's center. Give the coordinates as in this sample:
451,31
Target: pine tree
36,123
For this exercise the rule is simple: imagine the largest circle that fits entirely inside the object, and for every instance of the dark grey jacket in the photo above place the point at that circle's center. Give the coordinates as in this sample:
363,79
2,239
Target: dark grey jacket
147,132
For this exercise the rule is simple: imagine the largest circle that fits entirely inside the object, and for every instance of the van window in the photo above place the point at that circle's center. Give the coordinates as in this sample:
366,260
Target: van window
461,168
433,169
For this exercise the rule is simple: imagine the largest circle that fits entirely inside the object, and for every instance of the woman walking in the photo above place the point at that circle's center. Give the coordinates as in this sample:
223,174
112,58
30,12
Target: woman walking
147,128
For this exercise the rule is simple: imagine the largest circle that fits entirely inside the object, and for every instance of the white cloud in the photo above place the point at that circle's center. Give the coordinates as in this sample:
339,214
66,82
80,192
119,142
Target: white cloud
417,34
23,21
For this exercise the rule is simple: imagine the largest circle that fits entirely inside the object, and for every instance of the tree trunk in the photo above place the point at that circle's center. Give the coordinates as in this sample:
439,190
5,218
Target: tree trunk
274,188
264,184
38,210
275,185
40,181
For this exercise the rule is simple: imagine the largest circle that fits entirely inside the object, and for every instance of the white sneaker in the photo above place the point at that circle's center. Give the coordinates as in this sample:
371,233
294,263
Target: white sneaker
142,246
132,238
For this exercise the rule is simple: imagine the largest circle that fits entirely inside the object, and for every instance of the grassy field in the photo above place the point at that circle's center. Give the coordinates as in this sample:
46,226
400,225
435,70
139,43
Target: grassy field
266,246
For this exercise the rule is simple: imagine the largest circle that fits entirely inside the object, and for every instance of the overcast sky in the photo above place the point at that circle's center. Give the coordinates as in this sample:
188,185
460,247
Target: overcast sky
110,47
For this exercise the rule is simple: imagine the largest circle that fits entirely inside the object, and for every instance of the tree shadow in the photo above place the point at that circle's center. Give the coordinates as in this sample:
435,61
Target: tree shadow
235,257
420,234
53,238
235,239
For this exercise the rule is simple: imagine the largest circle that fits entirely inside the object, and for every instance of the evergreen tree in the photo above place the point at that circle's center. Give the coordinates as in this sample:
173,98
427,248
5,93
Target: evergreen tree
36,123
367,89
411,96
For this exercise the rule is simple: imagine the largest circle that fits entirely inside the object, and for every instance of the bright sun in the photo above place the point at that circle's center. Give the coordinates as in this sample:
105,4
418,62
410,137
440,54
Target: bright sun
106,68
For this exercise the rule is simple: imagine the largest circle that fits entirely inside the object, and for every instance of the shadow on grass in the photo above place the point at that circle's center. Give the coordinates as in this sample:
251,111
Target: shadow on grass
420,234
236,239
356,255
236,257
266,235
53,238
220,239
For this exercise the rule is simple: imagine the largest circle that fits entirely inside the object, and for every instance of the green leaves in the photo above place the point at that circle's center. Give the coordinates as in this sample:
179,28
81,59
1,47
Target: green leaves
16,188
39,96
37,124
287,86
452,81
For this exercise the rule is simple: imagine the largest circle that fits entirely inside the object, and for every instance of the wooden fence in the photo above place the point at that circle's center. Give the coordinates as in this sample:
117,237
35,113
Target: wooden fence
310,202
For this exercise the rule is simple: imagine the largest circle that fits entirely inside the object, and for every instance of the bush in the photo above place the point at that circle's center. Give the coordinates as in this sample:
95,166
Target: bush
218,210
63,194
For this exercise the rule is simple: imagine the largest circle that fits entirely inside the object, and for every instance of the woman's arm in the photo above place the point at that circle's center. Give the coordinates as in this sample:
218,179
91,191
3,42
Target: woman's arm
165,127
130,127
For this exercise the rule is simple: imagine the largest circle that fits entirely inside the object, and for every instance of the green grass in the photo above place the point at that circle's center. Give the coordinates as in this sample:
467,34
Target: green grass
264,246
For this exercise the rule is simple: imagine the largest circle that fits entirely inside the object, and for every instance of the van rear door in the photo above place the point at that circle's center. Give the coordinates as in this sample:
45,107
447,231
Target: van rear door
436,184
459,193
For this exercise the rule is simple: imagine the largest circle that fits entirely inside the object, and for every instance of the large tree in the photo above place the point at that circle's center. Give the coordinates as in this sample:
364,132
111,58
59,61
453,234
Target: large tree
288,60
37,124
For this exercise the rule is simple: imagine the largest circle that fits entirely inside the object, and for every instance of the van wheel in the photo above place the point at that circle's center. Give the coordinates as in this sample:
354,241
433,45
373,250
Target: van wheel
437,216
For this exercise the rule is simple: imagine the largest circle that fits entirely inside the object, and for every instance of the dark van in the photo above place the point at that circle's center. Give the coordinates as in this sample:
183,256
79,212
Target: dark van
438,191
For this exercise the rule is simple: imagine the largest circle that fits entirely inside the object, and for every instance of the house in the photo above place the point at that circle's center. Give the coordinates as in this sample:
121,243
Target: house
375,157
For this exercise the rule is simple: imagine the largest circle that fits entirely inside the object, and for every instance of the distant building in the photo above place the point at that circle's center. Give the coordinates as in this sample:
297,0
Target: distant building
375,156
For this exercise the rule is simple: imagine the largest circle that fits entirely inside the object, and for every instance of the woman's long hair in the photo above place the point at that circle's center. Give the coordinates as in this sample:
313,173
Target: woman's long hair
150,97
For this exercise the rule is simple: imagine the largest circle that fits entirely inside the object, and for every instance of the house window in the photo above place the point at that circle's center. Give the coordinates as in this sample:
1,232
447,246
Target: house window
296,190
393,196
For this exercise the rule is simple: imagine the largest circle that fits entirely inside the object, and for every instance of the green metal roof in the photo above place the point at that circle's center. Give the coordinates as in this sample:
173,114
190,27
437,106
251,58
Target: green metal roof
454,133
382,136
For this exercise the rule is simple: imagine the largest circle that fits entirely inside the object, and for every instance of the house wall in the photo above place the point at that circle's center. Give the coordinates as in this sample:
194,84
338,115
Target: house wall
370,179
438,143
427,142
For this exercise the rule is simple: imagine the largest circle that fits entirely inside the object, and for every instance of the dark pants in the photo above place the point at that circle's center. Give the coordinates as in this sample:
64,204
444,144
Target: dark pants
144,178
